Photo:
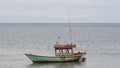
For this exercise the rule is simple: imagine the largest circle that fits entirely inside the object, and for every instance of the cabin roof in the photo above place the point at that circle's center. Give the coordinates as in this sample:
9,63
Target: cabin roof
66,46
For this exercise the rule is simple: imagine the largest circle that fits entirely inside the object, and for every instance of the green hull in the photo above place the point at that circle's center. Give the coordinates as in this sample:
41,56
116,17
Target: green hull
42,59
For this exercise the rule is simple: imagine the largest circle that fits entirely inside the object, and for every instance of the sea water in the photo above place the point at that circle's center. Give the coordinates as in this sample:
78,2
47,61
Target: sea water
100,41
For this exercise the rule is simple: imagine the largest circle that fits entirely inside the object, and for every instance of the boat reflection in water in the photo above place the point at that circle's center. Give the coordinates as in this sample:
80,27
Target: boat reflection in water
58,65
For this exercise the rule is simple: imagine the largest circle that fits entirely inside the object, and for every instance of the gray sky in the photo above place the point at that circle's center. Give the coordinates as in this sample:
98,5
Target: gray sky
54,11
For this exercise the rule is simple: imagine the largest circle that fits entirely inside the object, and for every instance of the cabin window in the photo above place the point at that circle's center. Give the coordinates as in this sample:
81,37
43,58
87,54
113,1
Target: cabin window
64,51
57,51
70,50
67,50
61,50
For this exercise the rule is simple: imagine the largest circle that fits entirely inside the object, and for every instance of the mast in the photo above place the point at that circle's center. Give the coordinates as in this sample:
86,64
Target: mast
70,30
69,21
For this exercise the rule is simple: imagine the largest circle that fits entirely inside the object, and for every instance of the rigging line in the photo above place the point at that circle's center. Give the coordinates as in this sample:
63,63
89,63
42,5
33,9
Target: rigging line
69,21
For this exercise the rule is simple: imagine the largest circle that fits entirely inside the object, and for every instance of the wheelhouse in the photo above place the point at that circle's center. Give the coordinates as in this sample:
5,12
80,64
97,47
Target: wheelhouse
65,50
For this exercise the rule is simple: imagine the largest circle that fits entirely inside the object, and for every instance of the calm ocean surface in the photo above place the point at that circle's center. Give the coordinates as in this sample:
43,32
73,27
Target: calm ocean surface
100,41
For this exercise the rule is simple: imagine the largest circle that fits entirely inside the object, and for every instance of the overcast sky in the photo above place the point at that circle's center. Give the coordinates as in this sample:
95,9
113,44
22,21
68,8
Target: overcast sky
54,11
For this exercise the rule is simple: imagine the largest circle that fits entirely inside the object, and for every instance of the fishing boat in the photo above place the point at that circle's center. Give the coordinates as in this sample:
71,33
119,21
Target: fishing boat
63,53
